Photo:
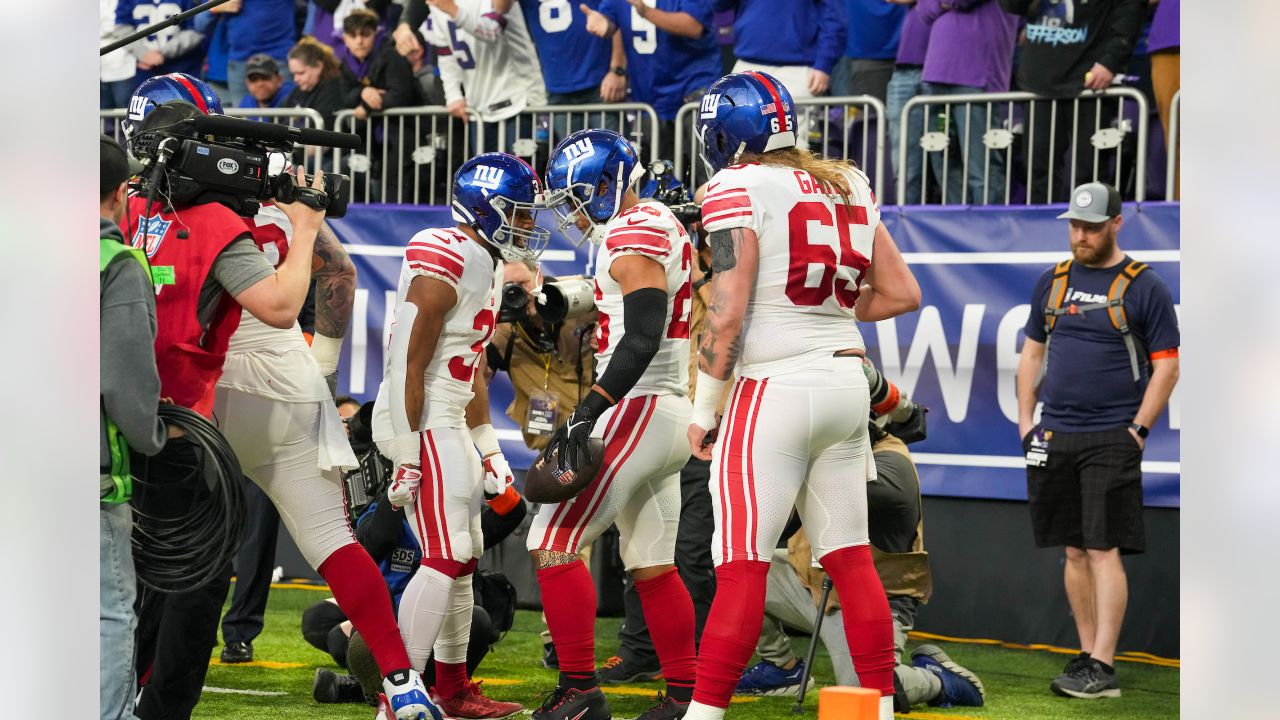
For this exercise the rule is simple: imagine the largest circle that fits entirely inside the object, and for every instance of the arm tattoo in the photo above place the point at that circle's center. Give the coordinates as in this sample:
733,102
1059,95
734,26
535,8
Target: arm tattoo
724,249
335,285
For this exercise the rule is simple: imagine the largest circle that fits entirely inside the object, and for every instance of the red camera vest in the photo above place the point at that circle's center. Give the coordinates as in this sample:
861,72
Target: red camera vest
188,356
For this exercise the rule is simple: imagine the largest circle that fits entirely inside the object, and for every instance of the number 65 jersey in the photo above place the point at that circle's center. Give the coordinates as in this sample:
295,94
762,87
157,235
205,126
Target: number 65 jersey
649,230
815,248
448,255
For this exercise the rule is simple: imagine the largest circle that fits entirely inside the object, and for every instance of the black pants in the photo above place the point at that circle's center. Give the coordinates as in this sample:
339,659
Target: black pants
321,627
254,565
176,631
1062,124
693,559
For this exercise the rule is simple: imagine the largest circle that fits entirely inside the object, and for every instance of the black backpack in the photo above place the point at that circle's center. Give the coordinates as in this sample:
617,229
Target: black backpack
495,593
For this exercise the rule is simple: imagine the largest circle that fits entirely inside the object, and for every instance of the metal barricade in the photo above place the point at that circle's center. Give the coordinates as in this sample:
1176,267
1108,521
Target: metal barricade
846,128
1171,189
536,131
297,117
410,154
1011,133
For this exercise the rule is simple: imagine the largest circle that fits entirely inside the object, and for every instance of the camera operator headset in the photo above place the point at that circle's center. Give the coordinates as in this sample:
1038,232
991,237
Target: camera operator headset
208,267
544,343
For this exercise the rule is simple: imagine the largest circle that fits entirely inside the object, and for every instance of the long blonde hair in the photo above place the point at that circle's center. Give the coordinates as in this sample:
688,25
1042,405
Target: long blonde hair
834,173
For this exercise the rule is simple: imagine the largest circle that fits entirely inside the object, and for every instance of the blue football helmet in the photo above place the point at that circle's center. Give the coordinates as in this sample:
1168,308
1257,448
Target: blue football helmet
487,192
587,175
161,89
744,112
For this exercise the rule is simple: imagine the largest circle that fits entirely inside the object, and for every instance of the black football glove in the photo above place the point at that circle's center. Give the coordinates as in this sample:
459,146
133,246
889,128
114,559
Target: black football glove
570,440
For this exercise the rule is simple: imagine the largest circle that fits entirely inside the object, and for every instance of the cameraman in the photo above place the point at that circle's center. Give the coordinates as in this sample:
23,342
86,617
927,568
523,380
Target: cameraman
550,364
895,512
209,269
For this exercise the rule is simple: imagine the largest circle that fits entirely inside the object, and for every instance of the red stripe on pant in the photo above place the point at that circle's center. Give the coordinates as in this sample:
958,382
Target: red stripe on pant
634,441
751,544
563,509
439,503
561,531
734,472
726,518
430,504
428,539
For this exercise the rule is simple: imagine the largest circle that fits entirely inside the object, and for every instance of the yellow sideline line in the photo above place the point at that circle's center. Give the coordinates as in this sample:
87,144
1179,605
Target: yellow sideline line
269,664
1133,657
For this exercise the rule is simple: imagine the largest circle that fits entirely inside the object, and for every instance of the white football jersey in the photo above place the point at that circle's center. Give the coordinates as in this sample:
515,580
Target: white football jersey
487,57
448,254
650,230
815,249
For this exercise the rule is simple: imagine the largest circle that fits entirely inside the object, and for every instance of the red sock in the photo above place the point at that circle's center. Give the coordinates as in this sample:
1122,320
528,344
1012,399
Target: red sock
732,630
451,678
668,612
867,622
569,601
362,595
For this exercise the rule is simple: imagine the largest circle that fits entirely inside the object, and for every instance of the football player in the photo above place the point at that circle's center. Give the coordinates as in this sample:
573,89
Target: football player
434,391
798,253
640,410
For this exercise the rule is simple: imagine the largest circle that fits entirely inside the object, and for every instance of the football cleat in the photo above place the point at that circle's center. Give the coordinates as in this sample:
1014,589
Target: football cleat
574,704
471,704
666,709
408,698
765,678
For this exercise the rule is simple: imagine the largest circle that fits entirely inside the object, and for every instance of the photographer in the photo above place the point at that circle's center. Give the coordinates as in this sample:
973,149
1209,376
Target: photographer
213,271
549,363
129,397
897,539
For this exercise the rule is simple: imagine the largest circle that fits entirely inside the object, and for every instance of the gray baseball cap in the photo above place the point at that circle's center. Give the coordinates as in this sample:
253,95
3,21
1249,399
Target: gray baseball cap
1093,202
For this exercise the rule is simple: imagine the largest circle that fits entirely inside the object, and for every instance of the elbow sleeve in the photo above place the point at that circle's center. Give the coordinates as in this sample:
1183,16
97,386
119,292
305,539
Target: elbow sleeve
644,315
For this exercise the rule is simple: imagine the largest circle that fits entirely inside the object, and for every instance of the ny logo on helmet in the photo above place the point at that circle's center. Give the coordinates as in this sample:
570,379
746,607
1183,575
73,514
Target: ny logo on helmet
579,150
137,107
709,103
488,176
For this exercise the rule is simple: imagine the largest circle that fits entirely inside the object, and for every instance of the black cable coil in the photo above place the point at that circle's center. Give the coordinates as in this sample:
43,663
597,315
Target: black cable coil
180,550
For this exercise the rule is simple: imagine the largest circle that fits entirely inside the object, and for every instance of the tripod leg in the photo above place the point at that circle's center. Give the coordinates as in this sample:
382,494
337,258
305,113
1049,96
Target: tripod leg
813,647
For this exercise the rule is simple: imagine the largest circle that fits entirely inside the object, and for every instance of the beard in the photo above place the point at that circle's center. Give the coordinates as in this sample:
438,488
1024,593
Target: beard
1095,254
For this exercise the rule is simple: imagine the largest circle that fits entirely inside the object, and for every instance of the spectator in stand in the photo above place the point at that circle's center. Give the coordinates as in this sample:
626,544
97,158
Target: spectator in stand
1164,44
800,52
318,77
327,17
578,67
213,25
874,30
906,83
430,91
256,26
267,87
175,49
376,79
487,62
1070,48
116,70
970,52
671,53
375,76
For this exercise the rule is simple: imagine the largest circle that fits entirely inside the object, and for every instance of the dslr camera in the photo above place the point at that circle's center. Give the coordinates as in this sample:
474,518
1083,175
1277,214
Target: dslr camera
192,158
559,299
662,185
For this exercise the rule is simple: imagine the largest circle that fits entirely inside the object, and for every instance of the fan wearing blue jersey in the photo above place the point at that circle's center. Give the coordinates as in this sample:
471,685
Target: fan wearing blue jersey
672,55
179,48
577,67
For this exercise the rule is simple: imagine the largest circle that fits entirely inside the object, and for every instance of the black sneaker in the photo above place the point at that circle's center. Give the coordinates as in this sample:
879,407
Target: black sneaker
617,671
237,652
550,660
1088,680
330,687
666,709
574,704
1075,662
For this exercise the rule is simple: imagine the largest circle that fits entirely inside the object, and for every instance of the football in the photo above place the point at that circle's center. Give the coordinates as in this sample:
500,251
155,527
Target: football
546,483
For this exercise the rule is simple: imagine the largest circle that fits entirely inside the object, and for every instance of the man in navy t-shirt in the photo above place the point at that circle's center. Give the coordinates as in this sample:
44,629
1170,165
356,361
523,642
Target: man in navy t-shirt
1102,390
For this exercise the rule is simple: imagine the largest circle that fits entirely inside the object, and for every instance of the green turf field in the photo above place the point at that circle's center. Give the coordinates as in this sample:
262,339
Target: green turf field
1017,681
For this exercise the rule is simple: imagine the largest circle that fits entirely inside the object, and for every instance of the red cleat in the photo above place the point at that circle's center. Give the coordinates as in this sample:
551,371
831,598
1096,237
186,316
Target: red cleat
471,704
